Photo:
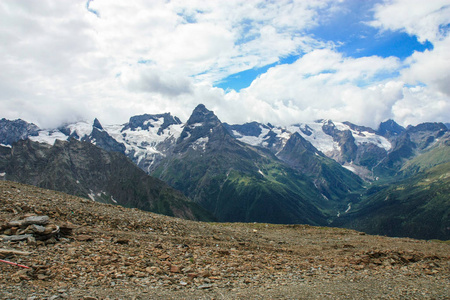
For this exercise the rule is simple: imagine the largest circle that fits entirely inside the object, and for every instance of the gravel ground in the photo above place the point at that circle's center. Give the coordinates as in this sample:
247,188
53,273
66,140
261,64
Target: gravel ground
120,253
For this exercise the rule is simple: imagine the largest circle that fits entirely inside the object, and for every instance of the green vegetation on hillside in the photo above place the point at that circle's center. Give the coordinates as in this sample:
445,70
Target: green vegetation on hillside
418,207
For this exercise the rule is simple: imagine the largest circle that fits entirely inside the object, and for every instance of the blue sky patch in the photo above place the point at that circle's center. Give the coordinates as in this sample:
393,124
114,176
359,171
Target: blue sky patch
349,30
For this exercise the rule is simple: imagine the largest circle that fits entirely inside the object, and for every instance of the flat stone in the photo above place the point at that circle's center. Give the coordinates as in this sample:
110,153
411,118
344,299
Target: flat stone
41,277
174,269
122,241
38,220
205,286
83,237
16,238
33,228
16,223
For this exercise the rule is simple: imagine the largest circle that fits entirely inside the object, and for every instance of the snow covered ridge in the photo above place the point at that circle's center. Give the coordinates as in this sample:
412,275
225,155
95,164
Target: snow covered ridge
77,130
141,136
149,133
314,133
147,138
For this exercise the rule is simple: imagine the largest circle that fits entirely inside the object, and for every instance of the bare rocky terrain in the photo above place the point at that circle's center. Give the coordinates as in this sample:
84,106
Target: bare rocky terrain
102,251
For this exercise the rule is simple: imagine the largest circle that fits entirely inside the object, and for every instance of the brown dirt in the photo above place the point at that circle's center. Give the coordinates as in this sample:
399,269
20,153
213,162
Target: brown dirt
121,253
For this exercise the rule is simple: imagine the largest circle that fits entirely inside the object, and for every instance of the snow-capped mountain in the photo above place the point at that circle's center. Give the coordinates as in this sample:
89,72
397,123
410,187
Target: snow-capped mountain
12,131
146,139
346,143
251,172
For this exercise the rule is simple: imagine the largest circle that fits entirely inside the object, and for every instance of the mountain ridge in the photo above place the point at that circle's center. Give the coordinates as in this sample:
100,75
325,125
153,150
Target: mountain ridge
83,169
315,173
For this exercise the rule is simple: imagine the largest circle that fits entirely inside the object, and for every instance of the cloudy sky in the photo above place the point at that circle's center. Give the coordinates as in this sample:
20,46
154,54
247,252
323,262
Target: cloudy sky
275,61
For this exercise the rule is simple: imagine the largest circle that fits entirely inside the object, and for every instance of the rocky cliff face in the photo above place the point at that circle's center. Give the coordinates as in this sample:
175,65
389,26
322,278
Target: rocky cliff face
13,131
330,178
83,169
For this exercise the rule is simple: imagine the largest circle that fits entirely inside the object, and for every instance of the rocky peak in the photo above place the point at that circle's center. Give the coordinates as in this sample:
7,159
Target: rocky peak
306,130
344,138
426,134
427,127
247,129
203,123
359,128
203,116
13,131
390,128
97,124
146,121
298,143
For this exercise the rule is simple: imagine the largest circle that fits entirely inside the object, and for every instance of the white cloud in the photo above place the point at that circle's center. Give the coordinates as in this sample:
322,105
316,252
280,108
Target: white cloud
61,62
324,84
68,58
431,67
416,17
427,73
144,78
421,103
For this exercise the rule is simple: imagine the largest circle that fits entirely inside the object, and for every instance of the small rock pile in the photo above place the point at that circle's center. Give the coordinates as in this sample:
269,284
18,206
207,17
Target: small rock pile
31,228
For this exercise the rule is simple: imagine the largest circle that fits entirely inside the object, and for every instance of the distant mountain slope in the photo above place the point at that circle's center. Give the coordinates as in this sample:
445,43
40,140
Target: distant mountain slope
418,207
411,143
356,147
147,138
238,182
83,169
330,178
438,154
13,131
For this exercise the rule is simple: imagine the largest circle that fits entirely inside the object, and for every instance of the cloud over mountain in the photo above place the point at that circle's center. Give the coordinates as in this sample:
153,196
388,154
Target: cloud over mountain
62,62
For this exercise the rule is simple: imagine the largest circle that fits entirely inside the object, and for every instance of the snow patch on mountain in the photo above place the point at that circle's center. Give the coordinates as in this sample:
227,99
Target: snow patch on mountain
82,129
49,137
363,137
349,206
350,168
200,144
142,141
319,139
78,130
253,140
195,125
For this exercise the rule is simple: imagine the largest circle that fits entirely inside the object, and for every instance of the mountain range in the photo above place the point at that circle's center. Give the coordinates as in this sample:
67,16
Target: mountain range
320,173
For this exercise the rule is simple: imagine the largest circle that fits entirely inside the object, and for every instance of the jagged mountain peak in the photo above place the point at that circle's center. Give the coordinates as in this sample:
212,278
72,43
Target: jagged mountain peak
202,127
390,128
202,115
359,128
97,124
296,140
15,130
145,121
427,126
248,129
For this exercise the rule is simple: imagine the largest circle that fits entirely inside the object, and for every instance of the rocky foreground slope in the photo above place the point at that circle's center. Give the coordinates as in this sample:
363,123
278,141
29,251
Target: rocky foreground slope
113,252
